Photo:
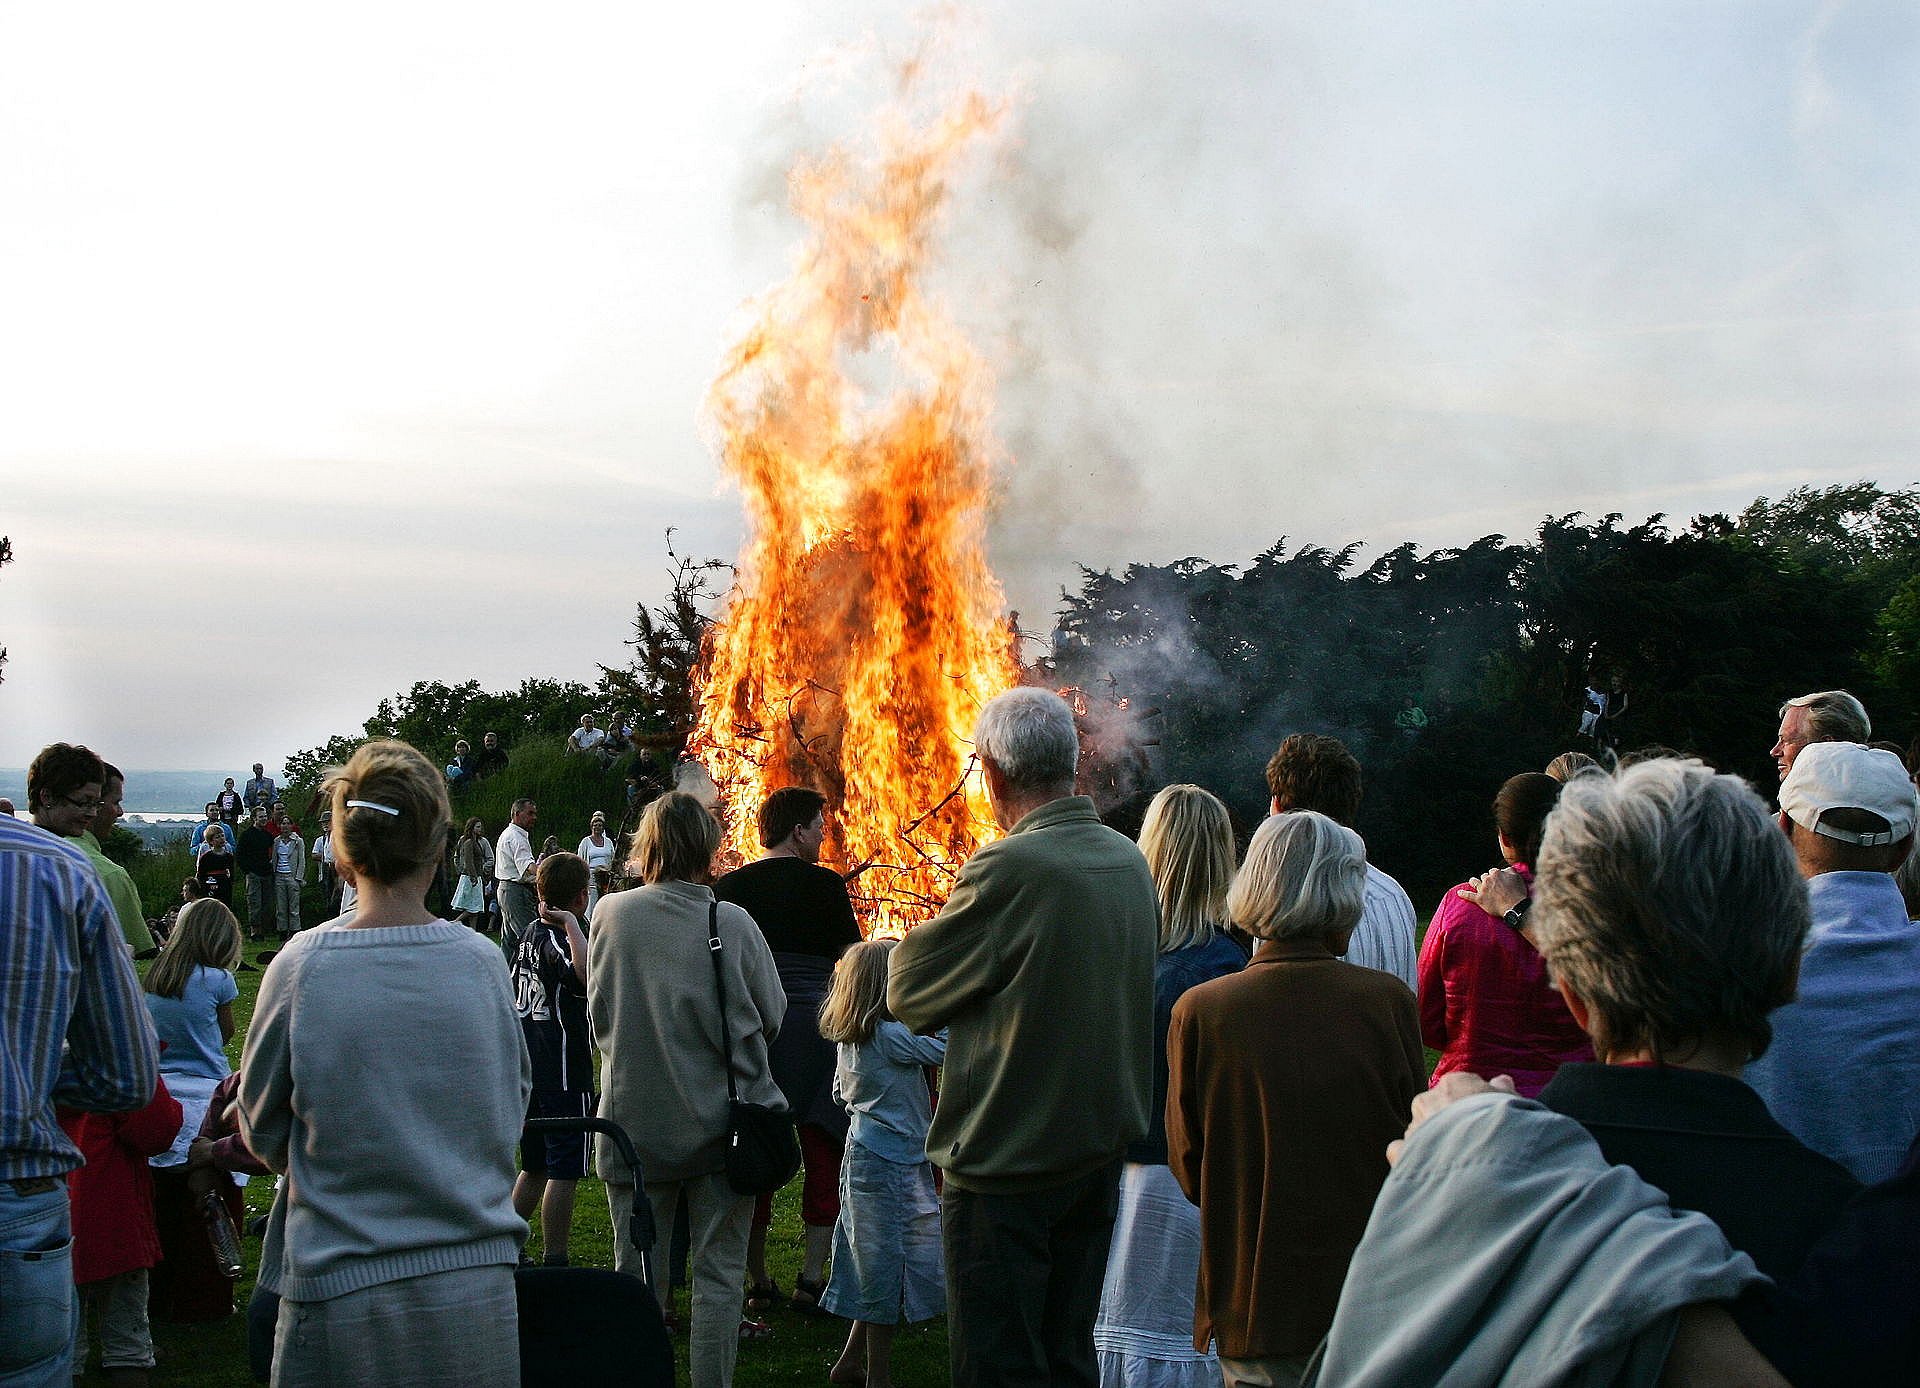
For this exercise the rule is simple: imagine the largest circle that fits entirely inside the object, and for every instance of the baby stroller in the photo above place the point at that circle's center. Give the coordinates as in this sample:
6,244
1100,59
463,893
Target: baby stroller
591,1327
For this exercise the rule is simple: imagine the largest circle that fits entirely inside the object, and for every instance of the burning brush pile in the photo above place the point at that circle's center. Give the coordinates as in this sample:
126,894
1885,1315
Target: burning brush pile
865,630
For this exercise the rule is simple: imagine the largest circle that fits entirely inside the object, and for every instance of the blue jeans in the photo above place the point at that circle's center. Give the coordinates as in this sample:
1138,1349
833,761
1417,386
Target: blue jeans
36,1288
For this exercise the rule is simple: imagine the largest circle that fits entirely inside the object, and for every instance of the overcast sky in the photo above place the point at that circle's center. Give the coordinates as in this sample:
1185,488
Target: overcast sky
350,346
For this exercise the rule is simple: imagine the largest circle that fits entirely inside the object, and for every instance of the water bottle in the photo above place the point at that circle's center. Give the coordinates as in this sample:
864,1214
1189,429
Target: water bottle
226,1243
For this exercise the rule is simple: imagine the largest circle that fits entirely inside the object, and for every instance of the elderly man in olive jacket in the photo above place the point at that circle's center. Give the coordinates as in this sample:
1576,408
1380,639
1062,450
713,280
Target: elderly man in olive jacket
1041,969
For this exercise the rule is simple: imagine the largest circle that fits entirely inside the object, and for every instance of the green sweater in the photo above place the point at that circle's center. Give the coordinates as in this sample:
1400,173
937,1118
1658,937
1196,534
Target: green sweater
121,892
1041,969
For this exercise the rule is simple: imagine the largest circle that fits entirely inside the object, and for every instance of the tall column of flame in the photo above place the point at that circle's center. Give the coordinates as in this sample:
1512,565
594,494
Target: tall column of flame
864,632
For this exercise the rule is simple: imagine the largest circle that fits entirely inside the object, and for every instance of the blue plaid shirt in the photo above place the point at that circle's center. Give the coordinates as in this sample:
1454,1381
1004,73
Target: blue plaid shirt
65,977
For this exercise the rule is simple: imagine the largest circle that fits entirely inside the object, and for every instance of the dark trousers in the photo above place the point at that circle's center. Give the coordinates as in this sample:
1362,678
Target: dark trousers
1023,1281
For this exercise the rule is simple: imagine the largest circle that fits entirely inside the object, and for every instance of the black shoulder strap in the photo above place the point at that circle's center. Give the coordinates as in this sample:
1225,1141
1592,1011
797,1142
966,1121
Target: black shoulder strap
720,987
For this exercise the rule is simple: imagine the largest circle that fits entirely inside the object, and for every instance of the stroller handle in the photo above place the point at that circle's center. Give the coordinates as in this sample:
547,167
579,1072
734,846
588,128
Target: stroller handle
606,1127
640,1228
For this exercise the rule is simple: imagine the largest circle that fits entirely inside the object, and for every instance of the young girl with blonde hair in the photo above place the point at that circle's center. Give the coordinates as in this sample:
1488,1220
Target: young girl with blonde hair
887,1261
190,995
191,988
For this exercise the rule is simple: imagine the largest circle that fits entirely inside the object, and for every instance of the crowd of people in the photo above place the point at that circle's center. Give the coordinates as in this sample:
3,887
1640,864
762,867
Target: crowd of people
1184,1131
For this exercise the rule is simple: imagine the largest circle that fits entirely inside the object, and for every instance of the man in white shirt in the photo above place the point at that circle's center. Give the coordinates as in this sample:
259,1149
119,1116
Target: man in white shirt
586,738
513,866
1311,772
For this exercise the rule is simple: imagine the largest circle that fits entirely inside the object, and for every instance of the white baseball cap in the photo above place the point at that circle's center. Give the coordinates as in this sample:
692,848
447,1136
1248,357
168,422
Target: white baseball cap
1845,775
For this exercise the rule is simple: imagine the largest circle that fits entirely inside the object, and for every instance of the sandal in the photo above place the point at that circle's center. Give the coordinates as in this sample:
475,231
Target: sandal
751,1329
762,1297
806,1296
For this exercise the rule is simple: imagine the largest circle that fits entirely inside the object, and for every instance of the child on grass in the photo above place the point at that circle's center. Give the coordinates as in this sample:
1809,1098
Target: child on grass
549,968
887,1264
115,1240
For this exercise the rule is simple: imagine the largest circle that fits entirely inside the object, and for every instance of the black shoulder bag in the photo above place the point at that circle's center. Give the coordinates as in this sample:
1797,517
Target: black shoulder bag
763,1150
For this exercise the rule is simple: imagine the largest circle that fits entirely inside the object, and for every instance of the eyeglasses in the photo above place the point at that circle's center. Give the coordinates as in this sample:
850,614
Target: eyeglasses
88,806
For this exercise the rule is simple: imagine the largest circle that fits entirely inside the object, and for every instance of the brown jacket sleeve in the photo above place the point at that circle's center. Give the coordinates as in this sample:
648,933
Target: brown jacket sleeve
1183,1104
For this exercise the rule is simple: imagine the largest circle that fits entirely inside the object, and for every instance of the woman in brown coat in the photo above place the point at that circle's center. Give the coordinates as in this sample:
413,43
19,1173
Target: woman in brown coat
1285,1084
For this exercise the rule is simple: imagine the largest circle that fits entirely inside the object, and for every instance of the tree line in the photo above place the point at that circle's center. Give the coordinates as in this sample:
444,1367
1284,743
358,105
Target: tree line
1706,626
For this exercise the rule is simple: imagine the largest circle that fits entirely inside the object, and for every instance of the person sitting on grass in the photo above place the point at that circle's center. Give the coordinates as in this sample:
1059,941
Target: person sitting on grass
192,889
549,969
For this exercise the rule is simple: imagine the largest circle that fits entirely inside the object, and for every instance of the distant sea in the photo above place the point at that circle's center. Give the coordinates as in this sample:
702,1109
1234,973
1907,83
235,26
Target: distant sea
165,793
160,805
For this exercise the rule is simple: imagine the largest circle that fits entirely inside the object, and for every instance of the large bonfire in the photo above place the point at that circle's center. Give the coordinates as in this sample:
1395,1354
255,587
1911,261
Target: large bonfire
865,629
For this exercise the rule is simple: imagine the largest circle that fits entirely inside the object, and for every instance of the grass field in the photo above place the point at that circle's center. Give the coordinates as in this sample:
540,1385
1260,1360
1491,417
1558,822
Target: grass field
800,1351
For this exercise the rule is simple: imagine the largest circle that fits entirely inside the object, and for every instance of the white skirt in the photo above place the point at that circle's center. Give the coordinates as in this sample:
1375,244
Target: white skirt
1144,1330
469,895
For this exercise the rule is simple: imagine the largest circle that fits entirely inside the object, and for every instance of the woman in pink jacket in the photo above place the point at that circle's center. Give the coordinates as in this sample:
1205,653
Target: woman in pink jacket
1486,1003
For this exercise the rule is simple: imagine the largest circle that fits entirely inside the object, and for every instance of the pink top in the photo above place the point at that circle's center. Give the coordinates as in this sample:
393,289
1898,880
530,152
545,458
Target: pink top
1486,1003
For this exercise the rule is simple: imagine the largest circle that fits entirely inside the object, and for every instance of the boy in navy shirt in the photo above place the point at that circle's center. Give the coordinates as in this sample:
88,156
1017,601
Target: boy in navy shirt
549,969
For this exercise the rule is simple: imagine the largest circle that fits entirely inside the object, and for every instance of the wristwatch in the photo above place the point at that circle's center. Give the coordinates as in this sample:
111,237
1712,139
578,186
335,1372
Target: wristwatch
1517,916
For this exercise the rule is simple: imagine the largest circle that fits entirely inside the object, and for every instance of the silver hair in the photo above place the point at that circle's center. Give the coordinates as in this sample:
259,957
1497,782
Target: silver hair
1305,877
1028,734
1833,715
1669,902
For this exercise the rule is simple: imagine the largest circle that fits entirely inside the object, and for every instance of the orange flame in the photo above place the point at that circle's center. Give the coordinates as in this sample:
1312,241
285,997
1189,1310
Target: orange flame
864,632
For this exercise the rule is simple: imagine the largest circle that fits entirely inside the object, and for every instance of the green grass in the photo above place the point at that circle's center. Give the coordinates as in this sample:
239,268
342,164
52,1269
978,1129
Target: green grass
802,1347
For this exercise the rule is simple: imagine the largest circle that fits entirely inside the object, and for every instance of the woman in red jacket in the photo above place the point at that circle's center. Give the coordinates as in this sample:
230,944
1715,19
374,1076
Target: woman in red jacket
1486,1003
115,1240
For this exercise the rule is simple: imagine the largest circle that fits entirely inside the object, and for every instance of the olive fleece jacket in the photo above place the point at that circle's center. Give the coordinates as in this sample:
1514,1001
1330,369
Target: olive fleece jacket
1041,968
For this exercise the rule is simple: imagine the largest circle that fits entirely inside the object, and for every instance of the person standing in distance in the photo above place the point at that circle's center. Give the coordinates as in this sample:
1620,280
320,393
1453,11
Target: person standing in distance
1041,967
513,867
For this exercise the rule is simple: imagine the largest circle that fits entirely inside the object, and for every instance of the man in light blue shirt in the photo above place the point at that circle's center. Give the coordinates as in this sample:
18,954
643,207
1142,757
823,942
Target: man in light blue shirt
73,1030
1843,1072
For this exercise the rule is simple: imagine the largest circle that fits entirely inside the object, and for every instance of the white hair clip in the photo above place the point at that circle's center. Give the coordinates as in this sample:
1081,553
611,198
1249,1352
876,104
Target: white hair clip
371,805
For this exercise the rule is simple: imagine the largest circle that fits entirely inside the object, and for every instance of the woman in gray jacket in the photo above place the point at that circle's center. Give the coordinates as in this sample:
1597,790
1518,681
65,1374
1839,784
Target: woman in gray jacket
657,1021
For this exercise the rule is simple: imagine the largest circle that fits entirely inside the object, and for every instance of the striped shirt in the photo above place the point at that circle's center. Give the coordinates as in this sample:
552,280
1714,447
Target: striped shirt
1384,938
65,976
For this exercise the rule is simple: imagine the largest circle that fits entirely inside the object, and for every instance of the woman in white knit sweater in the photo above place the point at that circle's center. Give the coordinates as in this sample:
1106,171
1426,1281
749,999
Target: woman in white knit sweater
385,1075
657,1021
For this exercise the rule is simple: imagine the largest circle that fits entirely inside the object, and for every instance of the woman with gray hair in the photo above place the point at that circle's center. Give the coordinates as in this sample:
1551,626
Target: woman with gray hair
1285,1083
1672,916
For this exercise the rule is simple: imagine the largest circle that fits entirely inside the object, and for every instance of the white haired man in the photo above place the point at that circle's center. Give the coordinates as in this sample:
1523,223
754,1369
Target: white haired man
1041,968
1832,715
1843,1073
